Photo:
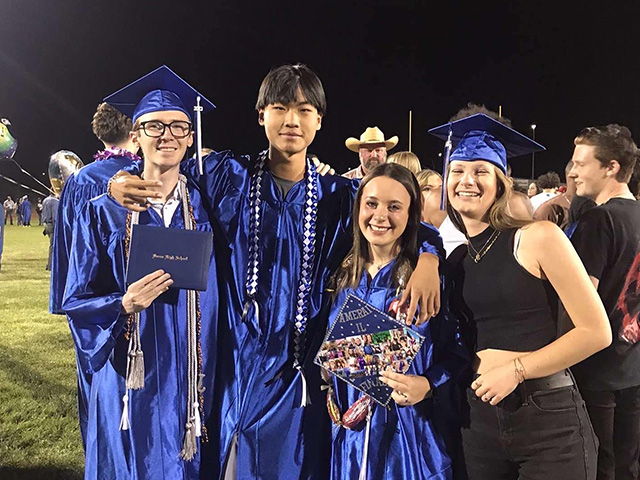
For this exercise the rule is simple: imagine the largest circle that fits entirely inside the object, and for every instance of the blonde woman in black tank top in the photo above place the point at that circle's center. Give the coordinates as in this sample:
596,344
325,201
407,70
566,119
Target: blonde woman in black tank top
527,419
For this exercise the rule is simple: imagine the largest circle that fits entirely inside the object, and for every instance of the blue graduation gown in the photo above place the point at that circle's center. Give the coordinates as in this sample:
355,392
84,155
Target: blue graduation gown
26,212
92,301
404,442
257,391
85,184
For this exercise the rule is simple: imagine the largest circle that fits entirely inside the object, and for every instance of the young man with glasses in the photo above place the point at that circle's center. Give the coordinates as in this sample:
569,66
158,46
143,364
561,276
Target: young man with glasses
146,347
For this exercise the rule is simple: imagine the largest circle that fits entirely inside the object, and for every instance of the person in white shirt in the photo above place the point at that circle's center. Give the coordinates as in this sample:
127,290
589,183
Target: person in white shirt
431,187
549,183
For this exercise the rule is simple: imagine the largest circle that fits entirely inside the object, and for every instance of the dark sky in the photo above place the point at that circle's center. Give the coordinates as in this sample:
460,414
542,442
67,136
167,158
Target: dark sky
558,66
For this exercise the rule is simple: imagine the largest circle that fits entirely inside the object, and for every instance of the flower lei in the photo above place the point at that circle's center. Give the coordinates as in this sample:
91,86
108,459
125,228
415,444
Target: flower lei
115,152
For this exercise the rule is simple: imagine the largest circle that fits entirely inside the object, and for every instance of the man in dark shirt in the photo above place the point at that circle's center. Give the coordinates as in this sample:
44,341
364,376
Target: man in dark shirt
607,238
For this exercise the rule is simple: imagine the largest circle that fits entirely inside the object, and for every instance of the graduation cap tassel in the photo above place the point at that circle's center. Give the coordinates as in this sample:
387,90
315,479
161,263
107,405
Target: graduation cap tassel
445,169
198,421
306,399
124,420
198,109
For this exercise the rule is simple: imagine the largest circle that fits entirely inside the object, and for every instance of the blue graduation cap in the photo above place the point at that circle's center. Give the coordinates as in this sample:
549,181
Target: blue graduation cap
160,91
480,137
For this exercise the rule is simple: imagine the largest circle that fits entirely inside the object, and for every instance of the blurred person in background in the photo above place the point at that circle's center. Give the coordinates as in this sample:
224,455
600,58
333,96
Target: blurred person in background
549,183
112,128
9,207
556,210
26,211
48,218
39,211
431,187
408,160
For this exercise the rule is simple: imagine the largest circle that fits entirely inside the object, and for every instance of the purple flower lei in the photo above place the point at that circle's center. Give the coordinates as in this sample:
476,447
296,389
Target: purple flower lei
115,152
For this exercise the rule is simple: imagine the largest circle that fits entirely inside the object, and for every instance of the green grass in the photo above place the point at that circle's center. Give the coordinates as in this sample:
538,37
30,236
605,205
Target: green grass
39,435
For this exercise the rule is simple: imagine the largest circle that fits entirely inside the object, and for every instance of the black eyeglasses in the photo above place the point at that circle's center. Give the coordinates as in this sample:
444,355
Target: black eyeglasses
156,128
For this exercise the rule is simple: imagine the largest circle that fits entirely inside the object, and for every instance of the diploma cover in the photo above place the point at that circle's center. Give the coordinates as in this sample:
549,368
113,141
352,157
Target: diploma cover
362,343
184,254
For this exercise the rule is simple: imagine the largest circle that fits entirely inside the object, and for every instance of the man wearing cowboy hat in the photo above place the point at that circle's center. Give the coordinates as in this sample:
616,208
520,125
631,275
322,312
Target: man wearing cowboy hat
372,150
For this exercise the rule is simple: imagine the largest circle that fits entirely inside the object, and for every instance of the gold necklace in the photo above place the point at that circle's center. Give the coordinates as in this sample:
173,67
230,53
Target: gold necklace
379,266
476,255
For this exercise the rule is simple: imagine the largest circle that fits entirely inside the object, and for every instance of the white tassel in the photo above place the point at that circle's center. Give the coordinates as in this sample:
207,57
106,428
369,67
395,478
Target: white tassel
189,446
306,400
365,452
135,375
124,420
198,422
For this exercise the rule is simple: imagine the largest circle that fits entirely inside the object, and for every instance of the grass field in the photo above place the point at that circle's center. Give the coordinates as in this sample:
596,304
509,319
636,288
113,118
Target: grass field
39,435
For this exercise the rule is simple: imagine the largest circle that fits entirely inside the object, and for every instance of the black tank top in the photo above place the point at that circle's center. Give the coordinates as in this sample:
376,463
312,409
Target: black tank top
511,308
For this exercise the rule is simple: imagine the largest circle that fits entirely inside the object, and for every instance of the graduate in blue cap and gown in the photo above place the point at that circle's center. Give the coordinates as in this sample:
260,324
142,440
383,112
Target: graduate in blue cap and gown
112,128
25,211
283,230
527,419
148,348
402,440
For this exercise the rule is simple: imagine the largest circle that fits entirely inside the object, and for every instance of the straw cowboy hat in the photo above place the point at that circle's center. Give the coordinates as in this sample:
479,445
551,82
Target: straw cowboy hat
371,136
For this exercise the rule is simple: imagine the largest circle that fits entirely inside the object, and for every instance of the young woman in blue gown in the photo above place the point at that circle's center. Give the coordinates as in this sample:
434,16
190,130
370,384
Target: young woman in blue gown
400,441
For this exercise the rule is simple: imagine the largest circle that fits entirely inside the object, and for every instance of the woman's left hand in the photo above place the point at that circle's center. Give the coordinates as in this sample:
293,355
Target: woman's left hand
407,389
493,386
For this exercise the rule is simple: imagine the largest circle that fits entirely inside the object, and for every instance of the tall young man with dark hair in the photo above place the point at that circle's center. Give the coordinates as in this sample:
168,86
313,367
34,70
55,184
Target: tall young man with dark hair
280,231
607,238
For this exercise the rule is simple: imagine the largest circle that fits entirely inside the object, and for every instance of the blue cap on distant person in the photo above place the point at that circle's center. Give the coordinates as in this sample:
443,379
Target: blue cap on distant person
480,137
159,91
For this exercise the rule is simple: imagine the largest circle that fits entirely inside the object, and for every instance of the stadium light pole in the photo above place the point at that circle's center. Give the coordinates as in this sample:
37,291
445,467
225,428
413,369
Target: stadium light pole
533,154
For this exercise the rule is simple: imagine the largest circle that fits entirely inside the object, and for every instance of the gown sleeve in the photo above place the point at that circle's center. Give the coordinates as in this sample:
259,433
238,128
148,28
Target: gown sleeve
429,241
94,290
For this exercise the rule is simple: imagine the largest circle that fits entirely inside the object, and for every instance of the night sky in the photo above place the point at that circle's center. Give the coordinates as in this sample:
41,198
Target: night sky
547,63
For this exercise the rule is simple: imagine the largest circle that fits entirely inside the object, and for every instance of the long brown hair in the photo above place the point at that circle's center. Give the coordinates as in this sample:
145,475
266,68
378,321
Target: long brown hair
500,217
350,272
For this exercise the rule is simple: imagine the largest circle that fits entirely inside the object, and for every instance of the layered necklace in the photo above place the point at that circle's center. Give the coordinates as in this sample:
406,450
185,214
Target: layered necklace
476,255
306,261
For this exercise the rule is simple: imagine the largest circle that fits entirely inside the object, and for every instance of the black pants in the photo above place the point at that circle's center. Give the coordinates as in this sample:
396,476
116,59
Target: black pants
616,421
543,435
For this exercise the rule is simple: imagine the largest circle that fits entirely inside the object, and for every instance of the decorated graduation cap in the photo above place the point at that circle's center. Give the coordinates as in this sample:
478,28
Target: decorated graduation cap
480,137
160,91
